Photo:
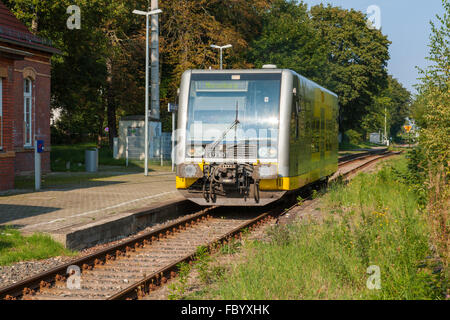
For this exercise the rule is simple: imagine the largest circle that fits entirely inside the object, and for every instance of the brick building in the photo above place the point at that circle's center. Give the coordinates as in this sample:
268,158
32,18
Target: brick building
24,98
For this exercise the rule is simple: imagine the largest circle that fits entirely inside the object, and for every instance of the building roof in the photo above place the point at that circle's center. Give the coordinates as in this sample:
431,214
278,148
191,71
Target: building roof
15,32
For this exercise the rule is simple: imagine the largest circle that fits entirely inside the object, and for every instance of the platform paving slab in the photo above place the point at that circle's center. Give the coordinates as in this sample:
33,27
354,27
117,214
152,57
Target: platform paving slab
86,214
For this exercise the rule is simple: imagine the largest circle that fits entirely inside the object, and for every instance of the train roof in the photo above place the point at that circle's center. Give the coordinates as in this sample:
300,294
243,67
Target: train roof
269,70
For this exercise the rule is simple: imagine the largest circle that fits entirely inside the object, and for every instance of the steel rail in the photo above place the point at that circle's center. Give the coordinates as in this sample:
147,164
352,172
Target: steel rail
44,279
145,286
367,163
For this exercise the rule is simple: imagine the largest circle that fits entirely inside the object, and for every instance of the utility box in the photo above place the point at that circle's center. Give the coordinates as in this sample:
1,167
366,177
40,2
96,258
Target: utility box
376,137
133,128
91,160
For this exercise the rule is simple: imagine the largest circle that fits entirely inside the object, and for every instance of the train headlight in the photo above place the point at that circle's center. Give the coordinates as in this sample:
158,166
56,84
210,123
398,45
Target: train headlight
195,151
266,171
267,152
189,170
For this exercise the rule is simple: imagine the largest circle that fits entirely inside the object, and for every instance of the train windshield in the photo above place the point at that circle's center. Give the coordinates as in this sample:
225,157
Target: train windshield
234,109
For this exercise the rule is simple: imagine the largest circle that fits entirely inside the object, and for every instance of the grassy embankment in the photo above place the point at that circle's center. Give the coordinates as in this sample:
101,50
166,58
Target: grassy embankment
14,247
374,220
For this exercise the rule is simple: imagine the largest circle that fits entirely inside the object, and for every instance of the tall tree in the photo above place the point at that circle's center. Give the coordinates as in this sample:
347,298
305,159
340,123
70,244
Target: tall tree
395,100
88,78
289,40
357,58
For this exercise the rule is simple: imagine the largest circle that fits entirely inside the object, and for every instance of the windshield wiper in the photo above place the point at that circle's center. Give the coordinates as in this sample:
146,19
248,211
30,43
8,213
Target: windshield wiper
233,125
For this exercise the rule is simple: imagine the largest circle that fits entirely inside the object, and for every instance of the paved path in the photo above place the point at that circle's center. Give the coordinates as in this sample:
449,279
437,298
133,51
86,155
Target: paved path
56,208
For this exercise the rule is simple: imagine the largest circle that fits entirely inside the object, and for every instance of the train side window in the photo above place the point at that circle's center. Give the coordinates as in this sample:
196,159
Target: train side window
296,118
308,119
294,122
294,132
329,134
315,141
301,118
319,134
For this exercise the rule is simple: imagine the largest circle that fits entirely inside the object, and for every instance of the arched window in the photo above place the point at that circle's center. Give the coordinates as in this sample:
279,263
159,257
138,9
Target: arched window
28,111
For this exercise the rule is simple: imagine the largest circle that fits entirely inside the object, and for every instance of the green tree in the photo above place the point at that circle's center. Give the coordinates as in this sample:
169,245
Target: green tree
434,102
395,100
95,73
289,40
357,60
401,104
188,28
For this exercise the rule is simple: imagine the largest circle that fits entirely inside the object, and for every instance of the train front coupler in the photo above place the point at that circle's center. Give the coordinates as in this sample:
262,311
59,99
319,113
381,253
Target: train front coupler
227,179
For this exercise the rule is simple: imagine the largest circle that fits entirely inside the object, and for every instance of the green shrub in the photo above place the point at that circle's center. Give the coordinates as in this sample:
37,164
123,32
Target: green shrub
354,137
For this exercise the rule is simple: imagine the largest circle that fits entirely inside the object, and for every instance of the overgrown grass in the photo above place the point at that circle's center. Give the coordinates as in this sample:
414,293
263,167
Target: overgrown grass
373,221
14,247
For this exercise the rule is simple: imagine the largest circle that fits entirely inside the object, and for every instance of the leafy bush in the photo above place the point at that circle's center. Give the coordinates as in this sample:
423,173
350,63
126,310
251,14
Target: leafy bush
354,137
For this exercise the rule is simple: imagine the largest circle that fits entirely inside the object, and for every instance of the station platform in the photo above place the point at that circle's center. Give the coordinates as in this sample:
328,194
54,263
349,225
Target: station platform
105,208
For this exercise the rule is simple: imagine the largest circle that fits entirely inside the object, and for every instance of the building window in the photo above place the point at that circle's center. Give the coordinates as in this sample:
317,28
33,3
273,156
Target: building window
1,114
27,112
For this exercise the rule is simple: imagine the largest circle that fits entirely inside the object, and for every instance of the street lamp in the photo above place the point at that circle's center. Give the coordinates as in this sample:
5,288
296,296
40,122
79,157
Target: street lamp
147,14
221,48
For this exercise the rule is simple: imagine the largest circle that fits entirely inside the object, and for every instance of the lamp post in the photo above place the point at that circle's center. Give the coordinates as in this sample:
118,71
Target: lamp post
147,14
221,49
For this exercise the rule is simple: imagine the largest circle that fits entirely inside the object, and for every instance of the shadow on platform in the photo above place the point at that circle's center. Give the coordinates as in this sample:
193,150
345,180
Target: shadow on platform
11,212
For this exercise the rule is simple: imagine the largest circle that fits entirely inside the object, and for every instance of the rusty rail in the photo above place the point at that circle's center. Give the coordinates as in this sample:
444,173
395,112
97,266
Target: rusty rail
161,276
44,279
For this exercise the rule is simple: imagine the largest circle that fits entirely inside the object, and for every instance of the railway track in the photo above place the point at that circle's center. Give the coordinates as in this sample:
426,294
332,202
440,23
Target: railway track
348,167
132,269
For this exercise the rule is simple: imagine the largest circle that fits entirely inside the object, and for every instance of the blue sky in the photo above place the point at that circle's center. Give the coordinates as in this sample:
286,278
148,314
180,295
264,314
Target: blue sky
406,23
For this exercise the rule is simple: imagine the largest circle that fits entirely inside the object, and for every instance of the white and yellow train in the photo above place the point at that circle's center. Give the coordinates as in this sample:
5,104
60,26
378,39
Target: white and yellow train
246,137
